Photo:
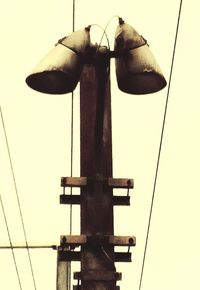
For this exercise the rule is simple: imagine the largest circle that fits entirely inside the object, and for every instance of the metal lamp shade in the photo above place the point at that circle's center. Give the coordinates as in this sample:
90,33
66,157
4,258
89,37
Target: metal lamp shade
137,70
59,71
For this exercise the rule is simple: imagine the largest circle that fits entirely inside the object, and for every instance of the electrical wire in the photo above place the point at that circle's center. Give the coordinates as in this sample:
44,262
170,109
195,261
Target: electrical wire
106,28
71,192
54,247
17,196
72,150
104,33
72,127
161,141
10,241
73,17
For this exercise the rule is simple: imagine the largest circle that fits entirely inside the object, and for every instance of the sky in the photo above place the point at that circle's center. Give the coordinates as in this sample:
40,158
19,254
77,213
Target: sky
38,131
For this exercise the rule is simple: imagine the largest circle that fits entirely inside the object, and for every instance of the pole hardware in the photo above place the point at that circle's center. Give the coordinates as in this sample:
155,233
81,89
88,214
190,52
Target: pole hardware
75,256
73,181
85,181
92,275
76,241
69,243
76,199
78,287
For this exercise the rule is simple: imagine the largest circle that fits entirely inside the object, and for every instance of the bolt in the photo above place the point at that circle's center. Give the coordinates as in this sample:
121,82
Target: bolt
131,241
64,240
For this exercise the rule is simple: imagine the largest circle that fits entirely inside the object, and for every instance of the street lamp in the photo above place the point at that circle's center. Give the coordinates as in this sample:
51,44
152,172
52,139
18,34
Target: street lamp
136,69
59,71
74,58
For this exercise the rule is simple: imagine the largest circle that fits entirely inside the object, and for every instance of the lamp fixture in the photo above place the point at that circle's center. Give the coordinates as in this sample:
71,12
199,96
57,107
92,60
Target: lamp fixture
136,68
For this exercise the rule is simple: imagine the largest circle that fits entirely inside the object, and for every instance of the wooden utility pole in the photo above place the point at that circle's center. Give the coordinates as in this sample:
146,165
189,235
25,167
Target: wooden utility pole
137,73
97,240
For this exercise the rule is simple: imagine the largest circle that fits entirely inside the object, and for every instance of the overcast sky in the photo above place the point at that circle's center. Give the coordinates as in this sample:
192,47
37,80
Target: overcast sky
38,130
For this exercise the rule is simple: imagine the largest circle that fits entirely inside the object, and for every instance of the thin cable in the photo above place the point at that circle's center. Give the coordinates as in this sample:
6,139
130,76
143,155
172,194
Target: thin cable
104,32
106,28
73,17
10,241
54,247
161,141
108,42
17,196
71,173
72,150
72,125
72,153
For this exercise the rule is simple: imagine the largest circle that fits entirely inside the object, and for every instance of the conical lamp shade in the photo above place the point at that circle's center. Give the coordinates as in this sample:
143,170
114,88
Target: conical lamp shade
137,70
59,71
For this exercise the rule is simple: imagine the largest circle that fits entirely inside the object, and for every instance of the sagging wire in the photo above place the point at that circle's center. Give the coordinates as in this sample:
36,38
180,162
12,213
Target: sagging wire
161,141
108,42
104,30
98,45
104,33
10,242
18,199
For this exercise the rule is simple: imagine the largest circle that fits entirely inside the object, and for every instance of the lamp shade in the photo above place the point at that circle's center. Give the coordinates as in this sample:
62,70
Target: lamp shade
59,71
136,69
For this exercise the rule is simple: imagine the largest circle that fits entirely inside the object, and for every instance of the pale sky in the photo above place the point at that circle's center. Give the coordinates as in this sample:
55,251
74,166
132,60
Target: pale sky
38,130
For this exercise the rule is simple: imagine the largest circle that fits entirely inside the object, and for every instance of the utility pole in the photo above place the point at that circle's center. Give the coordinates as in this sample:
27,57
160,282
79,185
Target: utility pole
74,58
97,240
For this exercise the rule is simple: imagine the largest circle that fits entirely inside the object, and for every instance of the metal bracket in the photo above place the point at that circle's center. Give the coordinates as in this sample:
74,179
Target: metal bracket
68,255
73,181
97,276
76,199
69,243
122,241
79,240
120,182
84,181
74,241
79,287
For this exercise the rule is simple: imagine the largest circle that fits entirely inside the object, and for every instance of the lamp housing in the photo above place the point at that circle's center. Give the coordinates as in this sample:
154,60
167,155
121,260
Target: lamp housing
136,69
59,71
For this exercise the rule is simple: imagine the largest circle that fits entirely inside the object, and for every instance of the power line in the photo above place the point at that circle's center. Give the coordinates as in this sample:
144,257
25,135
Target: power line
73,17
17,196
54,247
71,173
72,124
72,127
71,149
10,241
161,141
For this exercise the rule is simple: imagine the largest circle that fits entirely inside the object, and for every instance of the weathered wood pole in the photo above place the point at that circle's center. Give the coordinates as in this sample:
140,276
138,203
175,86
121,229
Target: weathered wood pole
97,262
96,199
